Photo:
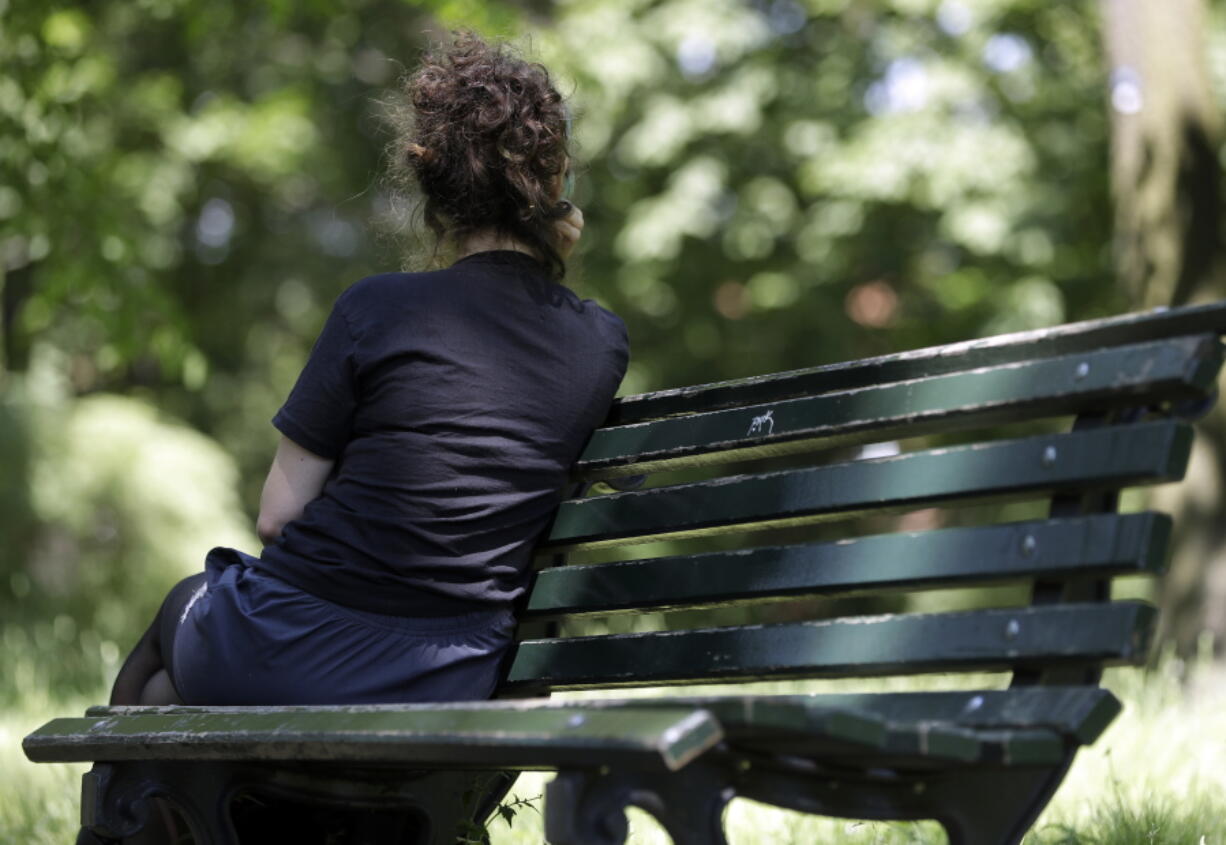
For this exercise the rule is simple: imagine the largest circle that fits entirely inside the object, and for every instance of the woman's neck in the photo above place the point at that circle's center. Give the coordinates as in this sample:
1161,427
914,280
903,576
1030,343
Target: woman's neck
489,241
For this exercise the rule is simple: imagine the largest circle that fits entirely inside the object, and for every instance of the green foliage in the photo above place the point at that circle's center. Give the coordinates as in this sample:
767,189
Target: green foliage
474,832
186,186
508,810
107,505
778,185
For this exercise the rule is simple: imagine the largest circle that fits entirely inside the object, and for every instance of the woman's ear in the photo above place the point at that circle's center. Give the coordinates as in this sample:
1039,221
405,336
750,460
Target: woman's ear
563,183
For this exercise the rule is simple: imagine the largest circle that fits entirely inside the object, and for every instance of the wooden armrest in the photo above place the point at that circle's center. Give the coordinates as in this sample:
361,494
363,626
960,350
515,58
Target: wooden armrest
1022,726
486,735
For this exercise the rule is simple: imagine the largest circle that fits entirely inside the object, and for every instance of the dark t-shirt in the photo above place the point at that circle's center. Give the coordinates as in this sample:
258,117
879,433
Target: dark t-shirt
454,403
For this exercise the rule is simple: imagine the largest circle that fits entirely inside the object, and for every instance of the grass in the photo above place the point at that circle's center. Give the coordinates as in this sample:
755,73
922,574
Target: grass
1157,776
38,804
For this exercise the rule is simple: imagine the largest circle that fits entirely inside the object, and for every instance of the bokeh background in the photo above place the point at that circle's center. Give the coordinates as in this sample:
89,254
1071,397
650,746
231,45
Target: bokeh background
186,186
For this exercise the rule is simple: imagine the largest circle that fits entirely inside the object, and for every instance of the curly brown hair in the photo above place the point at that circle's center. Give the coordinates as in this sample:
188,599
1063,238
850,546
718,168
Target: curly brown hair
482,134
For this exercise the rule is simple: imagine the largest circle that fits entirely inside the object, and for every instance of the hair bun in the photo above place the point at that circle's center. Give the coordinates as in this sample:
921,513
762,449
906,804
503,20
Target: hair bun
482,141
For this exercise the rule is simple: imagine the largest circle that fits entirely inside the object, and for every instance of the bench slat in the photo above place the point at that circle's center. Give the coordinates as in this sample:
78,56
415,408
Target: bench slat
1111,457
989,640
1182,368
1070,338
833,729
454,736
1077,714
1099,546
759,723
937,745
785,723
1080,713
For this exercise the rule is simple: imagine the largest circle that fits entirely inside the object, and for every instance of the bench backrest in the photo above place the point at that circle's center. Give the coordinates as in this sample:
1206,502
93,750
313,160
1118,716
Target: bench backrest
983,422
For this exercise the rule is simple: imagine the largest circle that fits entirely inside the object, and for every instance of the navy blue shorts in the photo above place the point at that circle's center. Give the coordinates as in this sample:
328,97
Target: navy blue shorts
246,637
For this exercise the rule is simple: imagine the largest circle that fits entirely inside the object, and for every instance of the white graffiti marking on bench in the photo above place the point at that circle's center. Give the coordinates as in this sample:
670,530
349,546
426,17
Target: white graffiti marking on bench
763,424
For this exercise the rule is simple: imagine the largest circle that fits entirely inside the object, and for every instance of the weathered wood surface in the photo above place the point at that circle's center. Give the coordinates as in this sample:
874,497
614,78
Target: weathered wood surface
1070,338
1109,378
1109,457
982,640
1081,712
1100,546
485,737
938,728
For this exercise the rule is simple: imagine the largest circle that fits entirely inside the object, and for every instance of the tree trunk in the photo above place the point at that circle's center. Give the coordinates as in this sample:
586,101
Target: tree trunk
1167,185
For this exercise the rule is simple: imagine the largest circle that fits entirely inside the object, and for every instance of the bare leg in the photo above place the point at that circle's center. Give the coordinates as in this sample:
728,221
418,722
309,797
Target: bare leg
144,677
160,690
142,664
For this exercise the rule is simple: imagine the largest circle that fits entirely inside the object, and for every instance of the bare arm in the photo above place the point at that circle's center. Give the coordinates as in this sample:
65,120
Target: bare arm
296,477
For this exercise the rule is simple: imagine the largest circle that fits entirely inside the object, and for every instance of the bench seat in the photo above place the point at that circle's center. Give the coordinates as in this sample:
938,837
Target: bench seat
512,736
1019,726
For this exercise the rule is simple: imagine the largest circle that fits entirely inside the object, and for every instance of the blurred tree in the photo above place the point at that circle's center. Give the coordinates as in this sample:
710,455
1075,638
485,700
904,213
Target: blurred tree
937,169
776,184
185,186
1166,132
192,181
1167,184
104,506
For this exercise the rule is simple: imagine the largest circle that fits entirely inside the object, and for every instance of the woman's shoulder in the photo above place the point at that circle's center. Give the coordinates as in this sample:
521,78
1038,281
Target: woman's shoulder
396,295
604,330
607,319
382,293
381,286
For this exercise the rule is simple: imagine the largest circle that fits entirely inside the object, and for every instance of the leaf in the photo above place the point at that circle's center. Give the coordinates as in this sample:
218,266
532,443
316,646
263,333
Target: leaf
507,812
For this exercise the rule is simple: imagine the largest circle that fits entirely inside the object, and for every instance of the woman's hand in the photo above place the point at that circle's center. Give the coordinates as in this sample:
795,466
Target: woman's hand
569,228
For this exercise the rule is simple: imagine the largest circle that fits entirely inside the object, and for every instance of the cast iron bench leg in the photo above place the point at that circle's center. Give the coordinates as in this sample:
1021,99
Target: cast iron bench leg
589,808
119,800
995,807
976,806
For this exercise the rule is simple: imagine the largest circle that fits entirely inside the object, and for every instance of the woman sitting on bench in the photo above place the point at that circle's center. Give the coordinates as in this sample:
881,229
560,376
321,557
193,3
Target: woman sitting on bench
427,442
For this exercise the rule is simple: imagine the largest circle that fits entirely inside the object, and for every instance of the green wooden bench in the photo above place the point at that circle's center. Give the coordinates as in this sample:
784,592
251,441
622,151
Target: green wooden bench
805,517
